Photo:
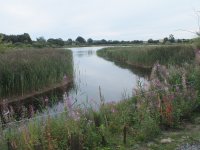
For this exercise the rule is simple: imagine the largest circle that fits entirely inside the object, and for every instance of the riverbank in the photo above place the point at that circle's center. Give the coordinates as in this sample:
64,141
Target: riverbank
152,119
145,56
63,84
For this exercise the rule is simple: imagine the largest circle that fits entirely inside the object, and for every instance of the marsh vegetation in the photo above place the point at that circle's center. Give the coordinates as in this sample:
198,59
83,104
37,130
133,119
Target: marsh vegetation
170,97
25,71
146,56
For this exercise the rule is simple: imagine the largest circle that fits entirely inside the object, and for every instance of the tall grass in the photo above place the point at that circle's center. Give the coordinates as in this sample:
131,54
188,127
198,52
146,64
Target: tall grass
146,56
197,42
25,71
114,125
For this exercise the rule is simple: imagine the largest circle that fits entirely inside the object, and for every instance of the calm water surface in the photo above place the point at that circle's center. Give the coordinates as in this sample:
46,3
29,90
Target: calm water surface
93,76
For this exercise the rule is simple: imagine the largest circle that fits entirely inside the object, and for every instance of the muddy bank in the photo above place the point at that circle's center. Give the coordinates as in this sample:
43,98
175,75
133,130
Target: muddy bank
63,84
139,65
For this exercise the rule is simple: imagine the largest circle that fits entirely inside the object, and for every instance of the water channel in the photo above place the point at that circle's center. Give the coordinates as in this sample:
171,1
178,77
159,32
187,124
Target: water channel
95,78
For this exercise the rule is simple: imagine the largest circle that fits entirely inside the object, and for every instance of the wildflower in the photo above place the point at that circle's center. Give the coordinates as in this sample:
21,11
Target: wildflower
184,80
177,88
68,104
113,110
46,101
65,96
65,77
76,115
171,97
168,109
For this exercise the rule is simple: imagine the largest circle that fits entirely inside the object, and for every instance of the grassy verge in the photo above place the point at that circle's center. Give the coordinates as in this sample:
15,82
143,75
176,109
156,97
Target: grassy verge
28,70
147,56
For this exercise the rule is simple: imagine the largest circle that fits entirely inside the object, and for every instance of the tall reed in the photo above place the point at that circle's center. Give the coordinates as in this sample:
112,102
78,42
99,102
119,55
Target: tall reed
145,56
25,71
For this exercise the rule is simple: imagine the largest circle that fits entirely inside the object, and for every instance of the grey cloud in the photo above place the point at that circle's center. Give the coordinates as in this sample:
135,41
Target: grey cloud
98,19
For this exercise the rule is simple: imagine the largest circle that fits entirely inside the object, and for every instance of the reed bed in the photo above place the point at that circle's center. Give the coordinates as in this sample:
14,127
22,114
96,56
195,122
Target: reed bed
146,56
26,71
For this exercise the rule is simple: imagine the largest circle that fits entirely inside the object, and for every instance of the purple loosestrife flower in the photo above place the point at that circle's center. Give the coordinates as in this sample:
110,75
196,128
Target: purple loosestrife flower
46,101
111,105
94,103
68,103
113,110
65,78
75,115
171,97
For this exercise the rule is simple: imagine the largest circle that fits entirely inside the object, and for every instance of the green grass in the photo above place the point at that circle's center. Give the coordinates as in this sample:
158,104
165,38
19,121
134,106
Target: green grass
147,56
28,70
197,42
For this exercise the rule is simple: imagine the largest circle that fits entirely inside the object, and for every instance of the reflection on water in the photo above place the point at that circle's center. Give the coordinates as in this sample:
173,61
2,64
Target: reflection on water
92,75
92,72
49,102
141,72
85,53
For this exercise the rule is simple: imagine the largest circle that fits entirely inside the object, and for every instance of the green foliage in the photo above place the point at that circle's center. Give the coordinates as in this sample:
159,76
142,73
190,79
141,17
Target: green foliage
40,42
55,42
147,126
1,38
69,42
23,38
197,42
24,71
171,38
147,56
80,40
90,41
151,41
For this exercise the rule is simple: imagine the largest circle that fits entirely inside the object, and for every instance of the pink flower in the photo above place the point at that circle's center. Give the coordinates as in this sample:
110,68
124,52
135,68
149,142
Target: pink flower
65,78
113,110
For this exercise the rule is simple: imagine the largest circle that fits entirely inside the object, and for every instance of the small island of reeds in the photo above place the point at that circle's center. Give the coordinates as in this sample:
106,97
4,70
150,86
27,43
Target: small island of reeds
25,71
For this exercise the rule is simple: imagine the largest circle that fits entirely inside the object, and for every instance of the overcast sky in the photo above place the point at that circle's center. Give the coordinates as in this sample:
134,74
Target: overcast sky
99,19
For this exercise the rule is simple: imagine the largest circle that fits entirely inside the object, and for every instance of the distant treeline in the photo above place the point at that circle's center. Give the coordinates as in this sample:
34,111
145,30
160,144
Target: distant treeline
51,42
23,38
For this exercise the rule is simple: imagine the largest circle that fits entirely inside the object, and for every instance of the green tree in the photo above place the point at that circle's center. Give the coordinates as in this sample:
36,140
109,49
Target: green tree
103,41
90,41
26,38
165,39
41,40
171,38
22,38
56,42
69,42
80,40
